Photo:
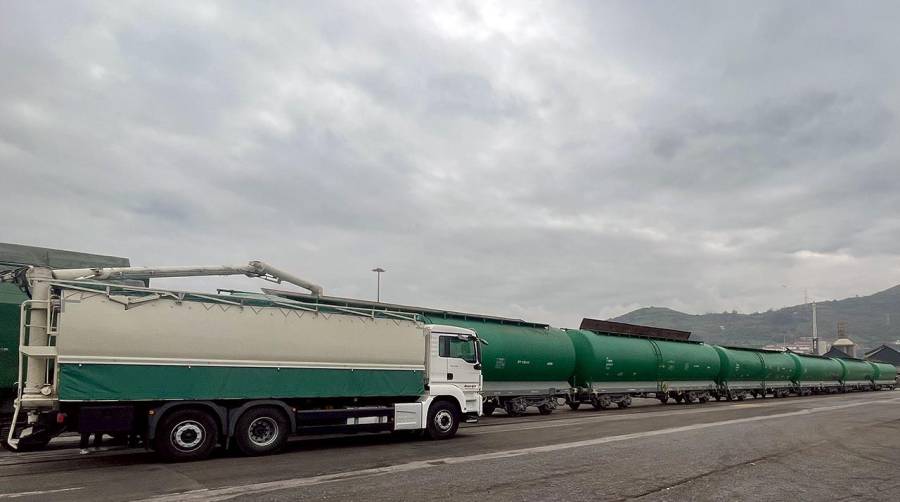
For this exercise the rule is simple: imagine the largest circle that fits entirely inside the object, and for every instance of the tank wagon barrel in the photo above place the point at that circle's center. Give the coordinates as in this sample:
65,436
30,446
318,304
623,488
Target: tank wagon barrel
885,375
817,374
611,369
857,375
743,373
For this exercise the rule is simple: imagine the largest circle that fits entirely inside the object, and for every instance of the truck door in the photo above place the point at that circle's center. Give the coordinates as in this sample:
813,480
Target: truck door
460,352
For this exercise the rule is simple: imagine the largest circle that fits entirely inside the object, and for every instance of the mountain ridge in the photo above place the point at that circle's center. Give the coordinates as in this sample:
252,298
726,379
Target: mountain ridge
871,320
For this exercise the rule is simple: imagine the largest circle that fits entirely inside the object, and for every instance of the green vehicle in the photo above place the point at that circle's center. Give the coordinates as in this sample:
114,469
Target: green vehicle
885,375
743,373
611,369
857,375
818,374
15,256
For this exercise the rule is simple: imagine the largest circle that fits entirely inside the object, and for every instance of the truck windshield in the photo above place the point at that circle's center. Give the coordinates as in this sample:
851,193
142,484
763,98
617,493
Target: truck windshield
452,346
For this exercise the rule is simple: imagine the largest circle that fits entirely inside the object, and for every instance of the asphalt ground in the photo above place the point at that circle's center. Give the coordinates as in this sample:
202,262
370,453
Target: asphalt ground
843,447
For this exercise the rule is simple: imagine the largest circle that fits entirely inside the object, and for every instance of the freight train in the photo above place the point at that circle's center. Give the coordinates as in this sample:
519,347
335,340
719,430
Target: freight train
188,371
535,365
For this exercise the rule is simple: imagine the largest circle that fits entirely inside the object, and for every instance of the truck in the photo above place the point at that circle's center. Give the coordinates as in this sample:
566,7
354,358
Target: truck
185,372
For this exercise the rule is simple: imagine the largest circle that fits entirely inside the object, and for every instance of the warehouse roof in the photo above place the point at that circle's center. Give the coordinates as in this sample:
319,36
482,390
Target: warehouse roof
621,328
19,255
884,354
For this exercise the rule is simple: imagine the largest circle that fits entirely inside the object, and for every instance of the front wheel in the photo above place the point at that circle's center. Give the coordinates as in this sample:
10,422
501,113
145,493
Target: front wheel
443,420
187,434
261,430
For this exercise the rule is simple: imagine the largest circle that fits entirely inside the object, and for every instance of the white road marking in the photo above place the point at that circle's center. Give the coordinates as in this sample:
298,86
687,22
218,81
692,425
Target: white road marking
34,494
230,492
566,422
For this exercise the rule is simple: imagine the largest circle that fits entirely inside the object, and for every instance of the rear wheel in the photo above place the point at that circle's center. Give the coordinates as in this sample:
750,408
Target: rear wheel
261,430
443,420
186,434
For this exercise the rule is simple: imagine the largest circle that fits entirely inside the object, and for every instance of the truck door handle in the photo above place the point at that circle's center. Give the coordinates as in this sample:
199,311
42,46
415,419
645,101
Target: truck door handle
449,376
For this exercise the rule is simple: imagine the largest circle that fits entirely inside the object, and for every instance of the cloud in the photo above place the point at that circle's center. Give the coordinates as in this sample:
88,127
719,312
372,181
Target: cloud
539,160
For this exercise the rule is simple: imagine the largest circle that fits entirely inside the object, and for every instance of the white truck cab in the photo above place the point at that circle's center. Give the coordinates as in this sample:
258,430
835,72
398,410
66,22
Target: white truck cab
453,369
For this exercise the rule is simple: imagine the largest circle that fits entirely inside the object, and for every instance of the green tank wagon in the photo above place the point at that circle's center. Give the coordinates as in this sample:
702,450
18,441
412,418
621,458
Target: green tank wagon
611,369
885,375
743,373
817,374
858,374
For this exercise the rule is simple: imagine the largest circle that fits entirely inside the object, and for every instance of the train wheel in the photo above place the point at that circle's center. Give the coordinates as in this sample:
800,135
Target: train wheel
600,403
512,410
487,409
625,403
663,399
545,409
574,405
679,398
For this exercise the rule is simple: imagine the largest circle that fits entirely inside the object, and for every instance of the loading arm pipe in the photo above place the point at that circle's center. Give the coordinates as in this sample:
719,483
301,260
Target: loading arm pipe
252,269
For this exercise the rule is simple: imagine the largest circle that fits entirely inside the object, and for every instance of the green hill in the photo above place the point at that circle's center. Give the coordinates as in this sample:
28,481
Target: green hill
871,321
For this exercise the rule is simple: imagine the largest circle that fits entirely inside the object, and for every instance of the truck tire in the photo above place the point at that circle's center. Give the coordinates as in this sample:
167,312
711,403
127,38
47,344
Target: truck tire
186,434
261,430
443,420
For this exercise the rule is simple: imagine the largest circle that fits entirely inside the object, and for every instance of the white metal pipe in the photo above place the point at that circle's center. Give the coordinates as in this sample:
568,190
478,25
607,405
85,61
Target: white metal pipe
253,269
37,328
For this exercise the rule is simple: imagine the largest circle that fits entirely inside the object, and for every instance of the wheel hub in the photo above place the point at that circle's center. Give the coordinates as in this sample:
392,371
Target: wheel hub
188,435
443,420
263,431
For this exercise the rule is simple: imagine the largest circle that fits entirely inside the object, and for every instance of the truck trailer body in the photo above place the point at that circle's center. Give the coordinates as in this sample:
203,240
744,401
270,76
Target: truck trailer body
187,371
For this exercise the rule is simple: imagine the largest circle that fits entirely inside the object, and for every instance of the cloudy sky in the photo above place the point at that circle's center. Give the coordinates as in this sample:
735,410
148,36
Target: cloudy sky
540,160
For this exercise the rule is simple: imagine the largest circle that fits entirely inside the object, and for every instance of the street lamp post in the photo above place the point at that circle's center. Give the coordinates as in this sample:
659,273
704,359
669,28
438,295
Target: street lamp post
378,271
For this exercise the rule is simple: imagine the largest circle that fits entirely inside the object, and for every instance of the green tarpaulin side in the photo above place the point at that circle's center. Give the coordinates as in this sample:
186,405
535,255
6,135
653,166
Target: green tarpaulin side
122,382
